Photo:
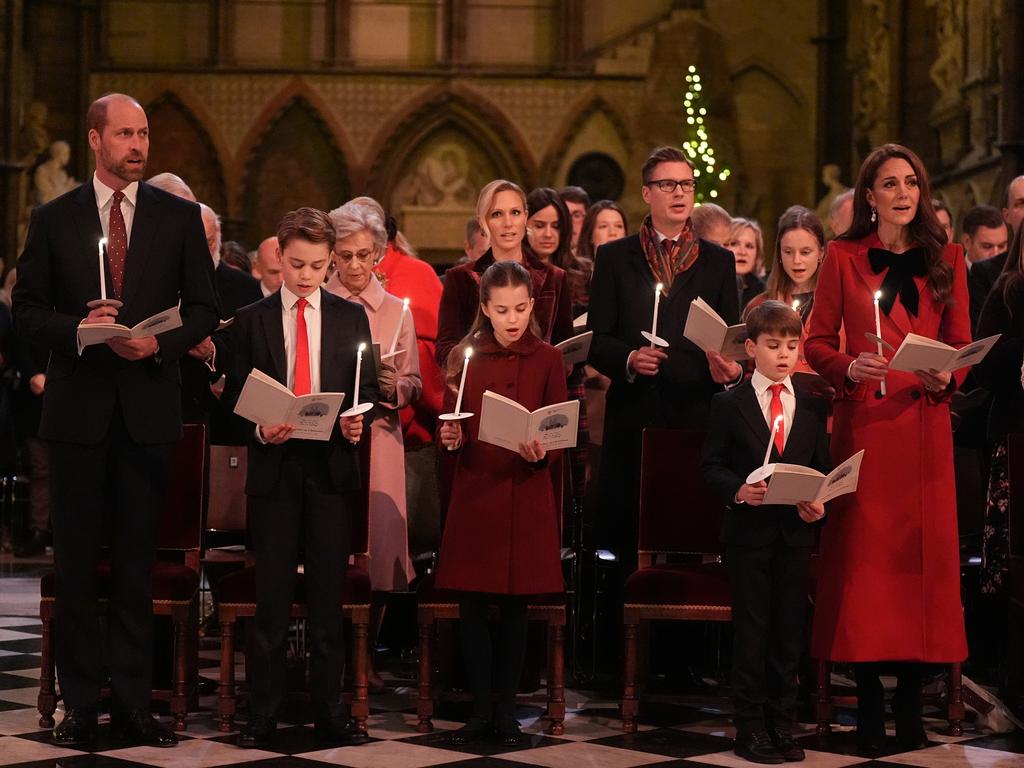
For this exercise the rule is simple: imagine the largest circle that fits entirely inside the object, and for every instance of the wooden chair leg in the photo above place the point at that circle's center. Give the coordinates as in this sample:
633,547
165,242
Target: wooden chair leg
556,679
425,700
226,688
955,703
47,700
823,701
179,696
361,671
630,699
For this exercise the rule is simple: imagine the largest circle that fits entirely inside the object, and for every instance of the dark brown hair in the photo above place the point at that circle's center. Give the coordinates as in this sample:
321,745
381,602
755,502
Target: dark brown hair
539,199
987,216
780,284
574,194
309,224
773,317
501,274
582,268
659,156
925,229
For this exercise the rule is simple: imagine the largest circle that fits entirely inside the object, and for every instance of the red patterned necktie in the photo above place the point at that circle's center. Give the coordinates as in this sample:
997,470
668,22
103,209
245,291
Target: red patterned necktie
302,386
776,413
117,243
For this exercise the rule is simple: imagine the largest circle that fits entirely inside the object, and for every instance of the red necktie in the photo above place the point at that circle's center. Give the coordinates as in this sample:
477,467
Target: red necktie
301,386
117,243
776,413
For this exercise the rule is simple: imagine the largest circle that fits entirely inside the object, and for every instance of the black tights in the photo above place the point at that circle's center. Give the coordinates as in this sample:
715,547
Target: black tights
871,694
481,663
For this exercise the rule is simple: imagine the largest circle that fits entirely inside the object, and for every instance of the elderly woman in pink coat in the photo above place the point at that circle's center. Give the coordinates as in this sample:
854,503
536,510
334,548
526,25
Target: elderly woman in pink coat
361,241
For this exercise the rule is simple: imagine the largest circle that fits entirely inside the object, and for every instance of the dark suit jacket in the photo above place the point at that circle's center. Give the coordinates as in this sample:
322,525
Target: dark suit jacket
980,279
168,262
737,437
257,341
621,306
999,371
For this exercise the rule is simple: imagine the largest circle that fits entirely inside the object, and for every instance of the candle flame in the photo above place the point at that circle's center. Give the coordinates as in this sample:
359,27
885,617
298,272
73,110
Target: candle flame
796,304
362,346
775,426
658,288
878,295
103,242
405,303
469,352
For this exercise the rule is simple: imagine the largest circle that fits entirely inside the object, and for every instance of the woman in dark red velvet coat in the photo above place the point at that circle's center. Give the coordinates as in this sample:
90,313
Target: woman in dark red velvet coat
889,588
501,537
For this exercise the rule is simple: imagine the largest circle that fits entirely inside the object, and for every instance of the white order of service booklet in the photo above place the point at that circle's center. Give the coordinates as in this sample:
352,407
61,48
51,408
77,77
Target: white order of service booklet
505,423
576,349
266,401
793,483
919,353
706,328
98,333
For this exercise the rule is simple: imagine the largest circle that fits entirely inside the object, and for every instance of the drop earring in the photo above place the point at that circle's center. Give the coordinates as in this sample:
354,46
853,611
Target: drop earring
874,215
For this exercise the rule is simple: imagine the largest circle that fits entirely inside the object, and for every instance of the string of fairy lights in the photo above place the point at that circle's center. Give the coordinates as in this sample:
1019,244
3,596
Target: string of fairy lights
705,173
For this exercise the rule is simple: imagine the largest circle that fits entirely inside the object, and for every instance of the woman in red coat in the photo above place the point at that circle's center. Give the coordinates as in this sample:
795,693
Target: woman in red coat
889,589
501,538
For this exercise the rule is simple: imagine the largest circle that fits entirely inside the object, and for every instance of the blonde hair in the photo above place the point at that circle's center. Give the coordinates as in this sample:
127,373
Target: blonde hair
738,225
485,201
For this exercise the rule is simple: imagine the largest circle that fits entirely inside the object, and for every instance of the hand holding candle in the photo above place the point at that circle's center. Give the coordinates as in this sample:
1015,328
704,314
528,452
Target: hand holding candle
878,334
653,337
398,330
458,414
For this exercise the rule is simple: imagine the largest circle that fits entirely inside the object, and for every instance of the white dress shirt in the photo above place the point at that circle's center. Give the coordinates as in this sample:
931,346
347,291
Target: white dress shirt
105,198
762,384
289,322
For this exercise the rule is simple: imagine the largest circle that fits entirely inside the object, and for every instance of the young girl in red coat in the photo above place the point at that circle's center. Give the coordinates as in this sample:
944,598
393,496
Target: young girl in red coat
501,537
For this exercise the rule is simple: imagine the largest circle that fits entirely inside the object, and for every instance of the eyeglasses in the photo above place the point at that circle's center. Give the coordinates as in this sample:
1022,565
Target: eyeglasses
361,256
669,185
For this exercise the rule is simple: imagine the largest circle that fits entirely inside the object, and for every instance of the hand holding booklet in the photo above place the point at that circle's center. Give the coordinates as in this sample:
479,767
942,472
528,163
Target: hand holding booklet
576,349
505,423
98,333
706,328
792,483
266,401
919,353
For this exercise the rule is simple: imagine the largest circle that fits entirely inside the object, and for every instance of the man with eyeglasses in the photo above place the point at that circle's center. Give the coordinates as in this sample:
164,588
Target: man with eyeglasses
651,386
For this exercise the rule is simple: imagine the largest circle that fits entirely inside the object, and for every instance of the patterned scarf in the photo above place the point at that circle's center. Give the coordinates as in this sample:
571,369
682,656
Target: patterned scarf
668,258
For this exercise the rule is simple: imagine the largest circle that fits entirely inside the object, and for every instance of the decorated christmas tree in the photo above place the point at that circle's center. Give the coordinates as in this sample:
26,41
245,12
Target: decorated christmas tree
707,170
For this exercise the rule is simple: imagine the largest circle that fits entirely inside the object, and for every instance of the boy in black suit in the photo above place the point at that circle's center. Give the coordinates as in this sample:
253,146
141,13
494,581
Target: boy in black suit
301,491
768,548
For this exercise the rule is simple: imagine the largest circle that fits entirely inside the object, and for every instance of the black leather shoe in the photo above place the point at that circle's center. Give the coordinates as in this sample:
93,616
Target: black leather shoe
910,734
341,731
757,747
77,729
870,739
785,745
141,729
257,733
508,732
477,729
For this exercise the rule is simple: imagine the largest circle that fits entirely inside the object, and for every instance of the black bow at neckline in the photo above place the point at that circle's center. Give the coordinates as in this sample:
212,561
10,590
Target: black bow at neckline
903,268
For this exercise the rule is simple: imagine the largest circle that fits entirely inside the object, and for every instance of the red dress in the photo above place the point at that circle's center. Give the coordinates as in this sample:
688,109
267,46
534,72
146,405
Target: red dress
406,276
889,585
501,535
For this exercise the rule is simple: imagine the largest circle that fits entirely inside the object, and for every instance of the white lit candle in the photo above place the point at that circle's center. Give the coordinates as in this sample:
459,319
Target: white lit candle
654,322
771,440
359,365
103,270
398,330
796,305
462,381
878,334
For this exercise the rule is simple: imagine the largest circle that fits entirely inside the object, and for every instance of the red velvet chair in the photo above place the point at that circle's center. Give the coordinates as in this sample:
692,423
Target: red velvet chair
435,605
175,582
682,518
236,598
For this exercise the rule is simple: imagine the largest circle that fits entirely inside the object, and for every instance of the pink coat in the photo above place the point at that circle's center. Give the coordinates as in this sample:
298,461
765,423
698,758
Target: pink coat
390,565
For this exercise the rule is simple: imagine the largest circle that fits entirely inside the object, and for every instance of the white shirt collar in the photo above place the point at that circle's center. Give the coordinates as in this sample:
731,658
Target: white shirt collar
760,382
663,237
289,299
104,193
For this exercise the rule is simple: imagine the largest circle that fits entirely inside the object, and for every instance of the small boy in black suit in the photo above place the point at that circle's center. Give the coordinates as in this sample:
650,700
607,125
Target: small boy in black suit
768,548
301,491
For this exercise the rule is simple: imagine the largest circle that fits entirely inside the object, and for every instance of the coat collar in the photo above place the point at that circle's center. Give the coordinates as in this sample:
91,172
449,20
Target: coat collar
372,296
485,343
898,317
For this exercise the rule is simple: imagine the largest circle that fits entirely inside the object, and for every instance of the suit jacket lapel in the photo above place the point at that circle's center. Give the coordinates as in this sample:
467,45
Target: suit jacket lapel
144,228
753,414
87,220
274,334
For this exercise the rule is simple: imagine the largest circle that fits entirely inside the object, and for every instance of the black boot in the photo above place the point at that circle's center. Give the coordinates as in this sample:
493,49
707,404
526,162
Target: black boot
870,710
907,707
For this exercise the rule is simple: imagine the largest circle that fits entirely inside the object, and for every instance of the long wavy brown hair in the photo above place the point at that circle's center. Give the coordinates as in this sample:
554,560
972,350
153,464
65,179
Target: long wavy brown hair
925,229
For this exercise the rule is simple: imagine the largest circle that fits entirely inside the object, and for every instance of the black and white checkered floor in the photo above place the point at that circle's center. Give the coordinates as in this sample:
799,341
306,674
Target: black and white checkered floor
673,732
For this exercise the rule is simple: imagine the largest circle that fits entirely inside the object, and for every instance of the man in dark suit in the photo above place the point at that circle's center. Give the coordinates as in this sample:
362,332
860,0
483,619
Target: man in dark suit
654,387
768,547
111,412
985,238
300,491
